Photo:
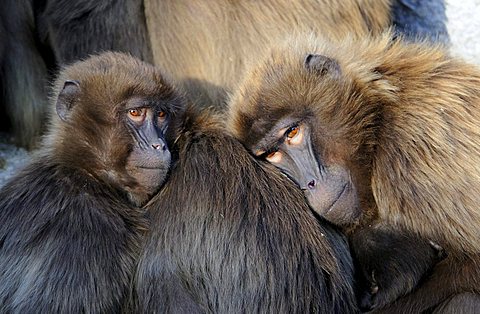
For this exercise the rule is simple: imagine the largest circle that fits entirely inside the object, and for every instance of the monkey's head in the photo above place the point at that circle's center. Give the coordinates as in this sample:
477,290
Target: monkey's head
113,116
303,113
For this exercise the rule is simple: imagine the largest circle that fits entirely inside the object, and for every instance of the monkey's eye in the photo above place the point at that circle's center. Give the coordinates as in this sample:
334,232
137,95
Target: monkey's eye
274,156
294,135
292,132
137,114
162,115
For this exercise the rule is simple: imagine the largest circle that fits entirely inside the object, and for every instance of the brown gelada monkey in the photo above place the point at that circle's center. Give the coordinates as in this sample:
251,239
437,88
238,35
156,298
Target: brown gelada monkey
70,224
380,134
231,234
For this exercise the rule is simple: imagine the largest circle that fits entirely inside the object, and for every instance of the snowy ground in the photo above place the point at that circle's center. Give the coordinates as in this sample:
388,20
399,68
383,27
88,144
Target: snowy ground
11,158
463,26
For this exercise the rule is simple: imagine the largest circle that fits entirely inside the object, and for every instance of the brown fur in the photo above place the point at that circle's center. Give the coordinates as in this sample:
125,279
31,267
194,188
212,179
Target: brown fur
203,44
467,301
404,118
109,80
44,35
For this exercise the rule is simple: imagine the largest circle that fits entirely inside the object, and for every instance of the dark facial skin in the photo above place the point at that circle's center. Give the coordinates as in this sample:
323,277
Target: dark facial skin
149,160
224,217
328,187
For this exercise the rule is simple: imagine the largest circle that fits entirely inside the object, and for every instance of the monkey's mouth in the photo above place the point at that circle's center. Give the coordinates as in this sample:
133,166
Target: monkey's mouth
147,168
150,167
339,198
150,177
339,206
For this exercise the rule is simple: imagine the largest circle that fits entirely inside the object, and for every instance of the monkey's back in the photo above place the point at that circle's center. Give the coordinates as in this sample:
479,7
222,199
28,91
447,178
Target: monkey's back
231,236
206,44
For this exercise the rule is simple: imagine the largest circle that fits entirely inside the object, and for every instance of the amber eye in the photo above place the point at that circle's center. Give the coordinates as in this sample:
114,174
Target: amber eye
137,114
292,132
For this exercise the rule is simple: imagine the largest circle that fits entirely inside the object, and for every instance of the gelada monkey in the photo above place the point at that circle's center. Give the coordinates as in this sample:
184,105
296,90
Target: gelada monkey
380,130
71,225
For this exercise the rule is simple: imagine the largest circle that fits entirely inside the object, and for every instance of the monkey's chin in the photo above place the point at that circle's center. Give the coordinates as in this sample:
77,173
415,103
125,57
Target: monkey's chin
148,180
339,207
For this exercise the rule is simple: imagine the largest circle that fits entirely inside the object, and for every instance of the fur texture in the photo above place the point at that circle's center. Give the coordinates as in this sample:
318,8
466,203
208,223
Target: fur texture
23,75
232,235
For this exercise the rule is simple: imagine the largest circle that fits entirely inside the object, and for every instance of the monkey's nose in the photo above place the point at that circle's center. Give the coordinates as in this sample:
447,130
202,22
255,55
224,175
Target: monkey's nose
311,184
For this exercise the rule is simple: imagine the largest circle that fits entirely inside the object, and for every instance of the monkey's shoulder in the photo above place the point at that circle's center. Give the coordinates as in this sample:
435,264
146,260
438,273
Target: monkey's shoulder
50,197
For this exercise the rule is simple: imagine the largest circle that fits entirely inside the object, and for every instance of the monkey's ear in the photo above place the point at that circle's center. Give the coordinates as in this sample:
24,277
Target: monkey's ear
322,65
66,99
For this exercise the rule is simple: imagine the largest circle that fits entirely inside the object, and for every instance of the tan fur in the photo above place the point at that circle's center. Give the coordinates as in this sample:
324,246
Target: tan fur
205,44
406,117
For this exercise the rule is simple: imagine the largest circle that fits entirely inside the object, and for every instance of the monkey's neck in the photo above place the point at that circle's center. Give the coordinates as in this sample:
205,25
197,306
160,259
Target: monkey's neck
81,167
396,72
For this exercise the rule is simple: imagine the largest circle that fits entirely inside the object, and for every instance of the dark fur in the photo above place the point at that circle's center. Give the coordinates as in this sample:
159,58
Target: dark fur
231,235
69,233
403,118
23,74
42,35
76,30
464,303
391,264
64,247
4,121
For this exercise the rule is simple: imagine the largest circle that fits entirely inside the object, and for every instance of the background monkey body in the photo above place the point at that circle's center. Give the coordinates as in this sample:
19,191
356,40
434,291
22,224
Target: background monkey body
202,44
394,128
210,53
71,227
